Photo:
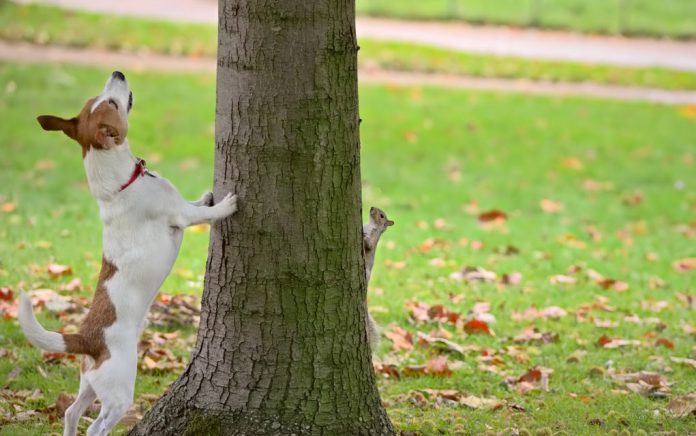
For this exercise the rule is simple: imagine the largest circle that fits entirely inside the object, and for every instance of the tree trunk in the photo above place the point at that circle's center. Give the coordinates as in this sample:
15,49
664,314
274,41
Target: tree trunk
282,347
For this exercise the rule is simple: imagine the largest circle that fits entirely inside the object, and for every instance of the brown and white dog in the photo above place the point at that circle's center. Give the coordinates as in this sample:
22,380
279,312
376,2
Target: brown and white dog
143,217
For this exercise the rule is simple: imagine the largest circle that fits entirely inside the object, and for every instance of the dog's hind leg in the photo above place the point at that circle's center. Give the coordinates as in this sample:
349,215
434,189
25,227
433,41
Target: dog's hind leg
84,399
114,383
110,415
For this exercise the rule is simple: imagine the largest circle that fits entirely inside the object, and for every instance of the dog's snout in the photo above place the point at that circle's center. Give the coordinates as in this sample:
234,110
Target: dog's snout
118,75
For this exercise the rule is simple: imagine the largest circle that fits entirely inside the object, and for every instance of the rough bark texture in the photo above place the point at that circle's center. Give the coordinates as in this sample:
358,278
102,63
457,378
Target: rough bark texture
282,347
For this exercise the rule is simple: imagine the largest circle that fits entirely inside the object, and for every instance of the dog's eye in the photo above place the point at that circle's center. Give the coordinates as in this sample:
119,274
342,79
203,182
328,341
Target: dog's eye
113,102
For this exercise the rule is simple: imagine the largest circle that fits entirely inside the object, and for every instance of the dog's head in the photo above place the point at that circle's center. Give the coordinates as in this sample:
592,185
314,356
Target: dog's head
103,121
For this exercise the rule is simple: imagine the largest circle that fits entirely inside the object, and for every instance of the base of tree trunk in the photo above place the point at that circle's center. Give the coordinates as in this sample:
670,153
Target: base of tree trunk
171,415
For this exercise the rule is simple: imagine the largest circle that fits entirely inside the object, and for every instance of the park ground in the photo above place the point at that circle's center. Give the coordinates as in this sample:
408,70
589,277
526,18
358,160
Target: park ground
540,278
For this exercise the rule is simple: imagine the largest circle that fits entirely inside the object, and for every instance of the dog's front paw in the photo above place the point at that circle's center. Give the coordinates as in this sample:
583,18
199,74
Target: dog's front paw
228,204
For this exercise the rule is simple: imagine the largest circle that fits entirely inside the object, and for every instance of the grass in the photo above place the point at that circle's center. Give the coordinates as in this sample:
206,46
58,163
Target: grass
428,154
671,18
411,57
49,25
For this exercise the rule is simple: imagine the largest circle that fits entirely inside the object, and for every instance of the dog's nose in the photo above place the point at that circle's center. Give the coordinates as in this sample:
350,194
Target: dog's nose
118,75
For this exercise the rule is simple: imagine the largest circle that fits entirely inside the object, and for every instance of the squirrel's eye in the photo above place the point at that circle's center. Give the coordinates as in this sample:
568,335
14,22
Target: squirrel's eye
381,215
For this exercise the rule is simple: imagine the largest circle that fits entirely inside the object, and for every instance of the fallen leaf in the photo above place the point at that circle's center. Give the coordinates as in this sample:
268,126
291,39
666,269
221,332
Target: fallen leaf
440,343
643,382
607,342
654,305
410,136
6,294
684,361
550,206
74,285
536,377
531,376
389,370
616,285
685,265
492,215
56,270
682,406
688,300
531,334
52,357
552,312
633,199
8,207
438,366
688,111
474,274
439,224
401,339
514,278
62,403
477,326
572,163
664,343
474,402
560,279
44,165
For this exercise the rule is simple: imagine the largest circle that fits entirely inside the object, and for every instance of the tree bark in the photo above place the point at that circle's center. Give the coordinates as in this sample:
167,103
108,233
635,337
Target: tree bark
282,347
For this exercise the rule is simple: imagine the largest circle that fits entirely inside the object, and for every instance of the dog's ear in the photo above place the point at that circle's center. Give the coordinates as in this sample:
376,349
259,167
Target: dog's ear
106,133
49,122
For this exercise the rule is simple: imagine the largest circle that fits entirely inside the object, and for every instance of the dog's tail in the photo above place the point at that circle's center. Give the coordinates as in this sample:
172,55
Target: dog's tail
37,335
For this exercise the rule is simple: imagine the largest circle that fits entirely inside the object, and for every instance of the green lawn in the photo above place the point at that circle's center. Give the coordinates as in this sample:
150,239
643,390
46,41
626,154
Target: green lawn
433,159
49,25
672,18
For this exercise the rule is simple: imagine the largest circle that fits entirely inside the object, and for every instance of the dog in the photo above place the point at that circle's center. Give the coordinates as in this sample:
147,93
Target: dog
143,217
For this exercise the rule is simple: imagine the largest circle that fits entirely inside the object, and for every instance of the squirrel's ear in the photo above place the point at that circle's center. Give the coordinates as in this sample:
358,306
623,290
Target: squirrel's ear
390,223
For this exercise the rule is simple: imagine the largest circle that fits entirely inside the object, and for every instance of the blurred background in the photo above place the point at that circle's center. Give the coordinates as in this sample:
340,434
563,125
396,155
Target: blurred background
537,156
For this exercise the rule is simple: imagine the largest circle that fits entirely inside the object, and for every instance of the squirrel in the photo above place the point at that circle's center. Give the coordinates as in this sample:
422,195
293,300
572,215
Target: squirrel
372,231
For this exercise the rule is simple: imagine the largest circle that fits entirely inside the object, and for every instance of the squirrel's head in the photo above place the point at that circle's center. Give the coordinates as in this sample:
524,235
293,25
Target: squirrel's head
380,218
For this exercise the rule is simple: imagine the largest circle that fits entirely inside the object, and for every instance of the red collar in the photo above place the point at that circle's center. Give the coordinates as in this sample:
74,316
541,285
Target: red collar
138,171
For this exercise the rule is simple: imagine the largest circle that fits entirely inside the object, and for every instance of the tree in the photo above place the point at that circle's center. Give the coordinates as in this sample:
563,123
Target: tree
282,346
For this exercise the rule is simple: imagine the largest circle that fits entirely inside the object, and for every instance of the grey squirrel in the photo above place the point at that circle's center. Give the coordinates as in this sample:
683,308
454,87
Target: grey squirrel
372,231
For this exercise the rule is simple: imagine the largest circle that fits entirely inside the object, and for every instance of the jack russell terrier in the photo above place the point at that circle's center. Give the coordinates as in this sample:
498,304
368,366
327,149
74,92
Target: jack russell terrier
144,218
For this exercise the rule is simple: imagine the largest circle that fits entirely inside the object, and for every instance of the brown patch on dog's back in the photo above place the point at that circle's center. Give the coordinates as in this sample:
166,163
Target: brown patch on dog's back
90,339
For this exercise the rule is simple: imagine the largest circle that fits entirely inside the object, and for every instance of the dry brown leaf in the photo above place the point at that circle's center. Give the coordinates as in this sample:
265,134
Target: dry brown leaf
8,207
438,366
474,274
664,342
682,406
57,270
476,326
685,265
6,294
616,285
74,285
551,312
492,215
401,339
684,361
550,206
62,403
560,279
